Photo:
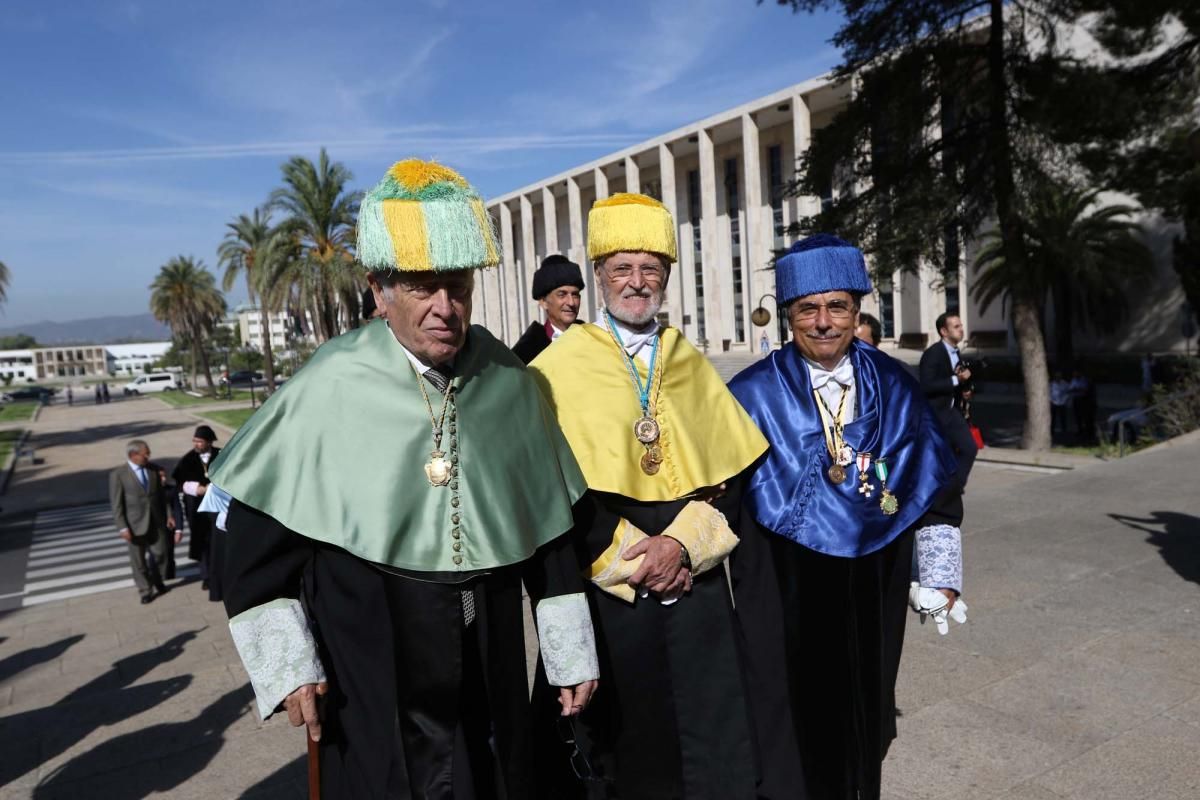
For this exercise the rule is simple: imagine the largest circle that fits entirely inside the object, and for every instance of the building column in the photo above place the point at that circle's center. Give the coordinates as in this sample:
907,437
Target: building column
508,278
798,207
529,261
714,318
601,182
578,249
757,254
666,176
493,299
550,219
633,175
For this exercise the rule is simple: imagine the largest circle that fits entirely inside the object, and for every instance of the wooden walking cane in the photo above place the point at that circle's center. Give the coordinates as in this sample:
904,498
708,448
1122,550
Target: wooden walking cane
314,767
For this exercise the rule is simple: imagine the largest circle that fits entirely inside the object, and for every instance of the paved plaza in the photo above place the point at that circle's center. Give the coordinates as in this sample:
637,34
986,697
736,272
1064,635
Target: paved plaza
1077,676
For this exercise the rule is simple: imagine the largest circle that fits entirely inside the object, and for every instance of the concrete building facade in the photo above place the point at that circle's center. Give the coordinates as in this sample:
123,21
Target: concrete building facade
725,178
246,319
134,359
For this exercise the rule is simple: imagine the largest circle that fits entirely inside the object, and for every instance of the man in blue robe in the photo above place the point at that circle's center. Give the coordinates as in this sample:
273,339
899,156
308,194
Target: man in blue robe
857,464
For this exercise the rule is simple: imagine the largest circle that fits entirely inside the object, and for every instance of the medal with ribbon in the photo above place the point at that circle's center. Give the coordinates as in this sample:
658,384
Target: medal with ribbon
888,503
839,452
865,487
646,429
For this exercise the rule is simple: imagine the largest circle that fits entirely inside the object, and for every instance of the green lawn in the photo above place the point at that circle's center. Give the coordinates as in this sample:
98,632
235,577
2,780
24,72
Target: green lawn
178,399
13,412
230,418
8,440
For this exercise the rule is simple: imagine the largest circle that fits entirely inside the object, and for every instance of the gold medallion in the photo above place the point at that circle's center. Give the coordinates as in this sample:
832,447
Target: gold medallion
646,430
888,503
437,469
654,453
649,465
836,473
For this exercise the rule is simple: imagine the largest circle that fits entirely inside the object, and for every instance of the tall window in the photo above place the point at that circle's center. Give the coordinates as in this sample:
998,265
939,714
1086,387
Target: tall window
950,276
776,187
693,180
732,207
887,308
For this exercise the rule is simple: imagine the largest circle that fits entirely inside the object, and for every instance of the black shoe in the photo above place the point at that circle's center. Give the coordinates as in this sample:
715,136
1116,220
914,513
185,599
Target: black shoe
162,588
146,598
204,586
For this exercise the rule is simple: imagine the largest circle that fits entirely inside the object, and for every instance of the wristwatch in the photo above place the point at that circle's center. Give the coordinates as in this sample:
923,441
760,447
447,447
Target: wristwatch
685,558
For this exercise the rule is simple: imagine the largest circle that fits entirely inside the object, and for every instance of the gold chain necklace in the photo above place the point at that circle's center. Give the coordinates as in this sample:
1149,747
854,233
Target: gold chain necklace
437,469
834,443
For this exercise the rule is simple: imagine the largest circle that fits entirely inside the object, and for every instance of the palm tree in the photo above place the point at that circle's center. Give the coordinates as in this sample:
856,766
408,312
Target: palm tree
321,216
1081,259
185,296
5,277
242,251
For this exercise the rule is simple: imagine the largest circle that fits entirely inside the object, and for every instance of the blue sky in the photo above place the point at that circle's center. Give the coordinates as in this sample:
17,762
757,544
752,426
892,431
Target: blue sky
132,131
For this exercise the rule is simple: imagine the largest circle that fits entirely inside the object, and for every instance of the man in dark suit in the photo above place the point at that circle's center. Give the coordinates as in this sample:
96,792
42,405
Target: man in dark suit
556,286
140,512
943,376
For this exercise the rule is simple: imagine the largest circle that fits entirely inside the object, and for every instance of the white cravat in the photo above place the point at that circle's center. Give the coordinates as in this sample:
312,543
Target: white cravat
638,343
555,332
830,382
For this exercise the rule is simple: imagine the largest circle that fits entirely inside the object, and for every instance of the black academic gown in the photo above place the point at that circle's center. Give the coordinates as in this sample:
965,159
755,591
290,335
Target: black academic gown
419,705
824,636
191,468
670,719
532,342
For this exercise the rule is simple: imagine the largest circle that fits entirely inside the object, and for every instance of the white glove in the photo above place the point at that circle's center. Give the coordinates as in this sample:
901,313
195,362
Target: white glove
932,603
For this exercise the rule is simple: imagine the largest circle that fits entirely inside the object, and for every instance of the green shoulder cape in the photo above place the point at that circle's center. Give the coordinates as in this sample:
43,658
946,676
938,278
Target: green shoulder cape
338,455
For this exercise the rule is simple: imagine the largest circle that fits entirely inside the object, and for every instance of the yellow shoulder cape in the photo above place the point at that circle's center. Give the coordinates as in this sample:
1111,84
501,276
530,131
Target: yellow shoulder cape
706,436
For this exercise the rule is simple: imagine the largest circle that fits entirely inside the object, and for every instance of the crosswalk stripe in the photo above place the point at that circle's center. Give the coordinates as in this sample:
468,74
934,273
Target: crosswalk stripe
76,552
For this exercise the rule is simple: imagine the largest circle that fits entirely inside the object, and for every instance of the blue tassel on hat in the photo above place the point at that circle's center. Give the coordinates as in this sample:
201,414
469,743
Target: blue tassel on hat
820,263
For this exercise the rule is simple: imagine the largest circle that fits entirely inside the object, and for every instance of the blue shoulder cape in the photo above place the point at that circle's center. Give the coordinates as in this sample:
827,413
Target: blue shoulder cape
789,492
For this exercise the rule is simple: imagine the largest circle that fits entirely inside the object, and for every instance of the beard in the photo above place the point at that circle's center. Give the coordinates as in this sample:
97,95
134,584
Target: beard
636,308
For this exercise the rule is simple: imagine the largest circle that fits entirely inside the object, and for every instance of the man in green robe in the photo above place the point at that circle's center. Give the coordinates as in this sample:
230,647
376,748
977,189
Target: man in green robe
389,501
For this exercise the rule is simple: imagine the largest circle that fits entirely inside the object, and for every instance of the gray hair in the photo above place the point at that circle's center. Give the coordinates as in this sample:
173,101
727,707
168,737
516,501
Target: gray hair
135,446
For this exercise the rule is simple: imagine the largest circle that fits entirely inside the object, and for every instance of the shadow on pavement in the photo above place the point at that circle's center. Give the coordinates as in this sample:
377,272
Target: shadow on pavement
34,737
177,750
19,662
1177,537
121,431
289,781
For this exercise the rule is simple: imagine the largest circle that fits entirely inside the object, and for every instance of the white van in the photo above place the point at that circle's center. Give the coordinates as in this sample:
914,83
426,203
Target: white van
152,382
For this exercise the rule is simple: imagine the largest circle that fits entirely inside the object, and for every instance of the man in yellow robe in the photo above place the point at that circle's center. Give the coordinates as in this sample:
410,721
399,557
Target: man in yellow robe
662,444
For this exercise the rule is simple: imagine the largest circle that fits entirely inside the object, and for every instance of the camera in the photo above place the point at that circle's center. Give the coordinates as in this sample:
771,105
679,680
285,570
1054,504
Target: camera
977,366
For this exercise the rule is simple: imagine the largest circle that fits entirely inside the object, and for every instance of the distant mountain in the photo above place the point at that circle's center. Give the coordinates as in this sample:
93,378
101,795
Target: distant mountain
98,330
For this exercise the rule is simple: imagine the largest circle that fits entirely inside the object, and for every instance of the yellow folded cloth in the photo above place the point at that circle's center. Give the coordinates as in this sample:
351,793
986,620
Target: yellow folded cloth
699,527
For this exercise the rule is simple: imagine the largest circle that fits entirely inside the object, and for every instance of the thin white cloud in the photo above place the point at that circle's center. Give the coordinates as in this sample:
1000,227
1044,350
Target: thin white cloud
444,143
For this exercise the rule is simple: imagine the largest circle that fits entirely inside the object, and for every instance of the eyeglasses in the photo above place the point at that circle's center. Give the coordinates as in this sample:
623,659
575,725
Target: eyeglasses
651,273
579,762
838,309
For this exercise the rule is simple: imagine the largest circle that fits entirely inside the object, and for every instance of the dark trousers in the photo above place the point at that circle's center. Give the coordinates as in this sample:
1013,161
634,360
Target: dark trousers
958,435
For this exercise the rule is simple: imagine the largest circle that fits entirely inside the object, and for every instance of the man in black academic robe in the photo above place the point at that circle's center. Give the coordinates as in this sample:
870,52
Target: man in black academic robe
191,478
382,527
857,468
557,284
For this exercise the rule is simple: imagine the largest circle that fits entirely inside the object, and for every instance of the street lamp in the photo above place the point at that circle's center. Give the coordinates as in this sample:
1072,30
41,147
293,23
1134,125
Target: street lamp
761,317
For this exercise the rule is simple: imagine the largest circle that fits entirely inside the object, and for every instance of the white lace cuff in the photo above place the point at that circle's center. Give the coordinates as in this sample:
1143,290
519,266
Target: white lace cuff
939,557
567,640
278,651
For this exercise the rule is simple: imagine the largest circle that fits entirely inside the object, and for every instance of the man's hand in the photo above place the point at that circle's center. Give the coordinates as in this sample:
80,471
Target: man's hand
126,535
575,699
661,571
301,706
963,373
170,522
200,490
951,596
178,536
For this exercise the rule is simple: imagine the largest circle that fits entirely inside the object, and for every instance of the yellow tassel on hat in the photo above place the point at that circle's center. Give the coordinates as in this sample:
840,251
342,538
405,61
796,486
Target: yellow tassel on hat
630,223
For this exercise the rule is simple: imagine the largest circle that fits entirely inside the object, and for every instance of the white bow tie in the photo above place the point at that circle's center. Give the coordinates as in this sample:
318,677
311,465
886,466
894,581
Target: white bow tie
842,374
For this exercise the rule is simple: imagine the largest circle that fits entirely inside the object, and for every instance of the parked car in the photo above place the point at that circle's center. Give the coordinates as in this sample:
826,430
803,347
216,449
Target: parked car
28,393
244,377
151,383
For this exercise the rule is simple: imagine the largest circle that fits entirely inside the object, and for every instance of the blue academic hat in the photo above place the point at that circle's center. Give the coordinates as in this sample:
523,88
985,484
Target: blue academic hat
820,263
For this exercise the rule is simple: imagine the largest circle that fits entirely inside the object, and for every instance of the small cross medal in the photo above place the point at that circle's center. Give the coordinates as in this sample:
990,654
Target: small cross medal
865,487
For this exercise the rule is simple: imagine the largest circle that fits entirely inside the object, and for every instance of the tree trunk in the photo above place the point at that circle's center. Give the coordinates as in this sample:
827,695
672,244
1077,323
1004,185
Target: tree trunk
193,354
198,344
268,355
1026,310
